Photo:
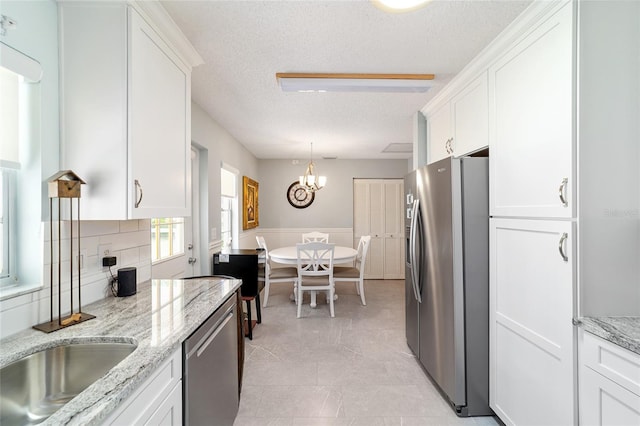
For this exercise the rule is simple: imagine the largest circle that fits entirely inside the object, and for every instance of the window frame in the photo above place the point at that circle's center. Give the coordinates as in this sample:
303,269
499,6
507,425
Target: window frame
175,229
232,197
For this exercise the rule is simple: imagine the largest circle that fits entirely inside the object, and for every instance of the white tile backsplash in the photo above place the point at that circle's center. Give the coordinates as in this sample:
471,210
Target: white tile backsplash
131,244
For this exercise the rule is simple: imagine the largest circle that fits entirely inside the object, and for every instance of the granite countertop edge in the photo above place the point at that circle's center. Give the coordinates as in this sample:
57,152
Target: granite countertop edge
621,331
135,319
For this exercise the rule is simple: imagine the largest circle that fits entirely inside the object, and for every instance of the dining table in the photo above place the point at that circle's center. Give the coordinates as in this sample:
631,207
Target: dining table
289,256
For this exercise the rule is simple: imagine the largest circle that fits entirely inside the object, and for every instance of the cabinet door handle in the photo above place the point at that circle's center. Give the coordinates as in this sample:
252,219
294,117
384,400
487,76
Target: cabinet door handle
138,188
447,146
562,192
451,146
561,246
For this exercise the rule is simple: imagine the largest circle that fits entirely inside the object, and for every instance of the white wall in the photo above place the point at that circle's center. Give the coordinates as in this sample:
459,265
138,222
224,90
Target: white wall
333,205
218,147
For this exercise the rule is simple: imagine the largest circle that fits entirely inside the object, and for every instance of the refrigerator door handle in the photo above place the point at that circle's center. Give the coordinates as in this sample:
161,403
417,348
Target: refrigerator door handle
412,254
414,265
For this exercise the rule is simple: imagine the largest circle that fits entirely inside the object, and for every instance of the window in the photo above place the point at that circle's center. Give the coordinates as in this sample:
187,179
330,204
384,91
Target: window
167,237
7,224
228,205
9,167
226,227
21,232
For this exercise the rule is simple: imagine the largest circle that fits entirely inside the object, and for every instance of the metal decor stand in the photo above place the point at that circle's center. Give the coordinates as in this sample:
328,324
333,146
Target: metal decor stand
64,184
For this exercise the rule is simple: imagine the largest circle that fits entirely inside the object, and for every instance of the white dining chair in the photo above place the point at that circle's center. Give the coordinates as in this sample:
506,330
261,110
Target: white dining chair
274,275
355,273
315,271
311,237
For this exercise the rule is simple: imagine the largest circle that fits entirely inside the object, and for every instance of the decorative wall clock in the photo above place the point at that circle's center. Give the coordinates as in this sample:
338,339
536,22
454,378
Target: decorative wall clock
298,196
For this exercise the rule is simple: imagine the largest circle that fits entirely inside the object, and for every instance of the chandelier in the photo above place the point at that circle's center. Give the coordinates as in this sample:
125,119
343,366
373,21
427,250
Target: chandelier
310,180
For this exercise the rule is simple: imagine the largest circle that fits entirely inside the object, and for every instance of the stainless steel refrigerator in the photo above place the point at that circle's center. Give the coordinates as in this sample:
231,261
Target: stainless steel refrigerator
447,278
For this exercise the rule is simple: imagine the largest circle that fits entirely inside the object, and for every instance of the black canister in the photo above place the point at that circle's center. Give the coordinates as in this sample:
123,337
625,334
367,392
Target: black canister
126,282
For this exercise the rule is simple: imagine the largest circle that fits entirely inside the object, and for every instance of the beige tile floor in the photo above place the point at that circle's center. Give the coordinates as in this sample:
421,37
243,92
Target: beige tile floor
354,369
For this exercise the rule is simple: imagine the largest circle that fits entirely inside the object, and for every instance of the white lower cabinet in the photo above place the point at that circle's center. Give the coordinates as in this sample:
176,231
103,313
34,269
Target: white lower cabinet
158,400
169,413
531,332
609,383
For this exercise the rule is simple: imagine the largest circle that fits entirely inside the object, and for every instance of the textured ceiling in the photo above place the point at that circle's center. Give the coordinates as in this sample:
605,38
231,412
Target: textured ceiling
244,43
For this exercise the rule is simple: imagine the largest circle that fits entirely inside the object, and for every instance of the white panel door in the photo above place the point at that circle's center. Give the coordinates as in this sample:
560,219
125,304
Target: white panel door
378,212
531,311
531,135
375,268
439,132
393,229
159,126
360,209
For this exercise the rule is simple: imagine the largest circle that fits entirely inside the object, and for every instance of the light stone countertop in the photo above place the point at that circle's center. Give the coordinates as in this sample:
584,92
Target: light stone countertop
622,331
159,317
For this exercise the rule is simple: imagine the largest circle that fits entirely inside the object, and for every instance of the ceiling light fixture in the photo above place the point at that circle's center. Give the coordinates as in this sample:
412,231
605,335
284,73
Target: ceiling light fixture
399,5
318,82
310,180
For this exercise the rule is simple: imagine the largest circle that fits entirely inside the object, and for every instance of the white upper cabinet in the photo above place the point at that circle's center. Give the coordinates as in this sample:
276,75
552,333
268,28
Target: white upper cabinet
126,113
159,127
439,133
470,116
459,126
531,140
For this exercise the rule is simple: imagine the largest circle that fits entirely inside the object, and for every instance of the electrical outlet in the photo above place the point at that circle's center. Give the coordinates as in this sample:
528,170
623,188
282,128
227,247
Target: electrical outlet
104,250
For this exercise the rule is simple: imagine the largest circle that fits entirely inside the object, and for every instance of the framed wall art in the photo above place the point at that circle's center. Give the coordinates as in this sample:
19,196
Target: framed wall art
250,216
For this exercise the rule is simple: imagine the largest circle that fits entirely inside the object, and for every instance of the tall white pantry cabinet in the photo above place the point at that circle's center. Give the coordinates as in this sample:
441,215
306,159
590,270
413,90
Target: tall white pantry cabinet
125,96
563,117
563,123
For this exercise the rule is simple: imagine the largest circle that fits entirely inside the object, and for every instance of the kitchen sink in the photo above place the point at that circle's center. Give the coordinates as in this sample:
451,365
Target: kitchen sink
38,385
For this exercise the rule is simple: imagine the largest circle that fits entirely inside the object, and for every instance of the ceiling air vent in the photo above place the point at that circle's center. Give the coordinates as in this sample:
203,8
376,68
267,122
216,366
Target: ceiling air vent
399,148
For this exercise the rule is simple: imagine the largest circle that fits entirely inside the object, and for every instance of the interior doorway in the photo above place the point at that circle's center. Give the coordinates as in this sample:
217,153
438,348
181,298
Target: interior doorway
175,242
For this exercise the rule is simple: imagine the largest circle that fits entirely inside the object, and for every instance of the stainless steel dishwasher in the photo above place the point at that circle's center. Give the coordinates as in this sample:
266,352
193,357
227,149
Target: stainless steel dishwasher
210,376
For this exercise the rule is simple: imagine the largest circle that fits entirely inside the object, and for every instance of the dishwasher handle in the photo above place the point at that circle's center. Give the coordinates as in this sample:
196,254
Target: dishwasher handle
211,334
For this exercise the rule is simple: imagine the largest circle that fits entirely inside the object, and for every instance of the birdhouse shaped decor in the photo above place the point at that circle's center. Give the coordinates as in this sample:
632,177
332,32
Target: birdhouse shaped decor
65,184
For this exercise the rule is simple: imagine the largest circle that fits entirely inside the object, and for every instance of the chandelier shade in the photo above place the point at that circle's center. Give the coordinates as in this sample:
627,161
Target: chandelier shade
310,180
